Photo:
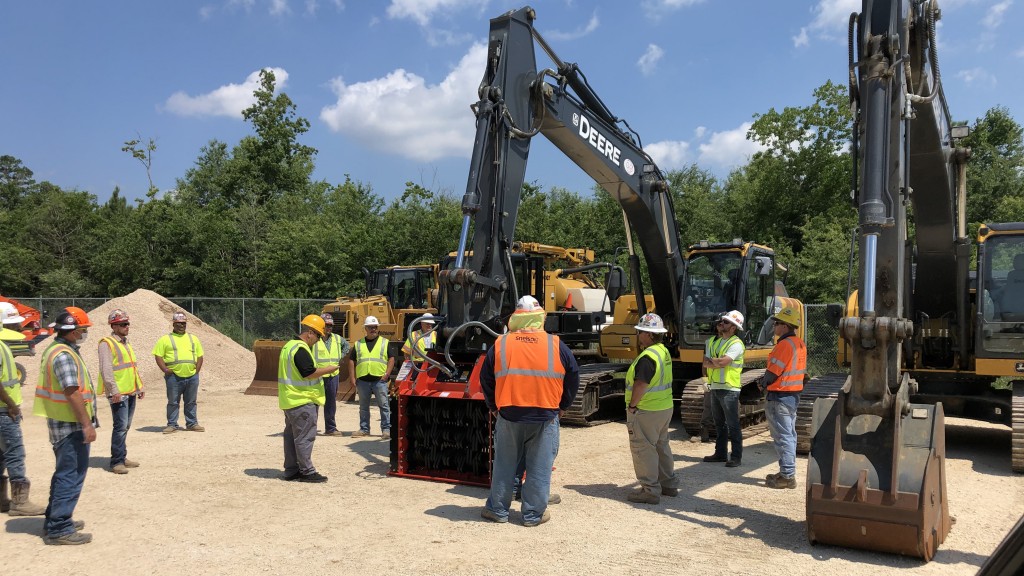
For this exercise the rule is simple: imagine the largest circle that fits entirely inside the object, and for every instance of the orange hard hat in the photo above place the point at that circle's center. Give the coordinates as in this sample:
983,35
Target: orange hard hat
70,318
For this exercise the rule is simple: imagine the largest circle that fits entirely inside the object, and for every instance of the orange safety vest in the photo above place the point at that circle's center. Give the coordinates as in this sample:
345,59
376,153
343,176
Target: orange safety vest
788,361
528,370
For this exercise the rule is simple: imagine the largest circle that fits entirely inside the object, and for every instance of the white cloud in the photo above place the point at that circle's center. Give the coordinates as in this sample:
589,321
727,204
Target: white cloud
976,76
401,114
590,26
699,132
801,39
206,12
228,100
245,4
422,11
994,17
669,154
279,7
311,7
654,7
831,20
649,61
728,149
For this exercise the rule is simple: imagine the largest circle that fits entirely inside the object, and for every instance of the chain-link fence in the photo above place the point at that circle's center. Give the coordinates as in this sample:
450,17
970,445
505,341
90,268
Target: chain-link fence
822,342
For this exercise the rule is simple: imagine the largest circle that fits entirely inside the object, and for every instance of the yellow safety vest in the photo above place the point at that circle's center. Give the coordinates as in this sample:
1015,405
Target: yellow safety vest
659,389
728,377
9,374
372,362
126,370
292,389
183,362
50,399
328,353
422,344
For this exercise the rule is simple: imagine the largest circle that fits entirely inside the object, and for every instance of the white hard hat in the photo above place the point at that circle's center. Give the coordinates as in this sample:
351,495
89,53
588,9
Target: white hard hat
651,323
734,317
528,304
179,317
9,314
427,318
371,321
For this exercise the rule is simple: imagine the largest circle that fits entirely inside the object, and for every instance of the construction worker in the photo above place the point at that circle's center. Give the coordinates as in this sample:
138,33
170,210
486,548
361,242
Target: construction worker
300,390
369,367
66,396
180,358
784,380
722,366
328,351
528,378
12,445
648,412
122,384
423,339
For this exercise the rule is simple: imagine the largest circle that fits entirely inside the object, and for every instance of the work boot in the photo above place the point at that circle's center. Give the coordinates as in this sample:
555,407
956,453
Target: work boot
715,458
733,462
490,515
20,505
554,499
119,469
641,496
781,481
5,497
72,539
360,433
543,518
171,429
385,435
130,463
669,491
312,477
196,428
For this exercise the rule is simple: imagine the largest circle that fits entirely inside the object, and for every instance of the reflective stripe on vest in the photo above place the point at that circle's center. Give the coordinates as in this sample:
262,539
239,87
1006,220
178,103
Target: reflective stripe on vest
659,390
174,348
423,342
50,399
292,389
370,363
327,353
126,372
9,374
788,361
730,375
528,370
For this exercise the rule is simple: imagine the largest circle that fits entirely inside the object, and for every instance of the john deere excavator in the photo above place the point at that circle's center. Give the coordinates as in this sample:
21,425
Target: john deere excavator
923,335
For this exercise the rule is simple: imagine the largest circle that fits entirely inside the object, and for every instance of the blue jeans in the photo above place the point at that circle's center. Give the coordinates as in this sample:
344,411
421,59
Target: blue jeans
331,403
12,448
520,477
539,442
725,407
176,388
380,391
72,455
122,413
781,415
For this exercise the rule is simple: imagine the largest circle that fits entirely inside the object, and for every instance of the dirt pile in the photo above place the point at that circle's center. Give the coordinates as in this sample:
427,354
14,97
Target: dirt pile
225,361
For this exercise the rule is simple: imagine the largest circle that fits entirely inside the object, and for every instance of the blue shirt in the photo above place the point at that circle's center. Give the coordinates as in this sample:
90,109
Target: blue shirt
570,385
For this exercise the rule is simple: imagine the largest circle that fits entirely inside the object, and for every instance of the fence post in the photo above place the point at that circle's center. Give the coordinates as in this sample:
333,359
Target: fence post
243,324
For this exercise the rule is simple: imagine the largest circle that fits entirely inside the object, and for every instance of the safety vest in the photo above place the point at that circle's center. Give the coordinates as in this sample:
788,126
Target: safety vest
292,389
423,342
528,370
9,374
50,399
328,353
372,361
126,371
728,377
183,361
659,389
788,361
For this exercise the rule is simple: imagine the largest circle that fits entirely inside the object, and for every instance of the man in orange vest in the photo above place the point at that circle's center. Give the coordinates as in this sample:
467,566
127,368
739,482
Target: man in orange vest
528,378
784,380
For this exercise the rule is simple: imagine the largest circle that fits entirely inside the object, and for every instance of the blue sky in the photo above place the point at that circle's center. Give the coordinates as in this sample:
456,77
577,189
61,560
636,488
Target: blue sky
387,84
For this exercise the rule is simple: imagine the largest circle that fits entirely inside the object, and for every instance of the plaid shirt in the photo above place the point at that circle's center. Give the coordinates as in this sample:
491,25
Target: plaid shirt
65,368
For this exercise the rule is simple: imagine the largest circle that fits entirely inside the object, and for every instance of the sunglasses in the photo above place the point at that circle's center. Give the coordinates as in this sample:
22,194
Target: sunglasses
122,324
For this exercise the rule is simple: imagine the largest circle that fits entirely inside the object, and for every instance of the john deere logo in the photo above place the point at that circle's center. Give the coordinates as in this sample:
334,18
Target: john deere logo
1019,367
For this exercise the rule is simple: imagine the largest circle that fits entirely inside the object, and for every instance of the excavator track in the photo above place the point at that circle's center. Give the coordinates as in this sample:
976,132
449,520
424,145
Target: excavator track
691,407
599,384
1017,437
825,386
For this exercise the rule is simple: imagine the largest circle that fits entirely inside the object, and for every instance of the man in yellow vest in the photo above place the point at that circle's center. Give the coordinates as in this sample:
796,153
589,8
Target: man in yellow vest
369,368
328,351
66,396
122,384
12,444
648,412
723,364
180,358
300,391
528,378
422,338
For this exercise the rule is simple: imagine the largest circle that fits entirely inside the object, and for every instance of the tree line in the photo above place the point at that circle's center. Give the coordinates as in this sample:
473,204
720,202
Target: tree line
250,221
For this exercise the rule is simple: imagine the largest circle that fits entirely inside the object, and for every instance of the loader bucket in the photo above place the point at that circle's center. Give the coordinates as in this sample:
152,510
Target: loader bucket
878,483
267,352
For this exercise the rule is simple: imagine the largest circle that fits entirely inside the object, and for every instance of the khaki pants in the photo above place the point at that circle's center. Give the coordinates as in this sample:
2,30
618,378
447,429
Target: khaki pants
648,443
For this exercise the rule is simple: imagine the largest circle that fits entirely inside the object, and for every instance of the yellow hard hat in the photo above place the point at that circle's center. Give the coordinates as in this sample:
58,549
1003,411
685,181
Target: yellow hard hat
315,323
788,315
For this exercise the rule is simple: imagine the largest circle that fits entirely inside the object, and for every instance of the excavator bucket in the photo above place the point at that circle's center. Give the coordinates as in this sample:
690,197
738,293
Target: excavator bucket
878,483
267,352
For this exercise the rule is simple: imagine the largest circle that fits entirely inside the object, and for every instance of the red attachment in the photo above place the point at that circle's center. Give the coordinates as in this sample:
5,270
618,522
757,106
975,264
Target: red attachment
33,327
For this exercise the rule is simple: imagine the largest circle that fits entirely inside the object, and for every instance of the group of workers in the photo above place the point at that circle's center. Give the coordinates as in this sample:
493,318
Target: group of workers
66,396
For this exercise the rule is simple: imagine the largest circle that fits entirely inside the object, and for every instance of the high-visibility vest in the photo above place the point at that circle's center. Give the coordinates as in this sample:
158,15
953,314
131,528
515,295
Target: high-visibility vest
372,361
9,374
328,353
528,370
292,389
182,361
423,343
659,390
788,361
126,370
50,399
730,375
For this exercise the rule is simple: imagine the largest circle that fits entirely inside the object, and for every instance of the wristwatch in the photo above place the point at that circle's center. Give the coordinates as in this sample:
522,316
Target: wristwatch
633,408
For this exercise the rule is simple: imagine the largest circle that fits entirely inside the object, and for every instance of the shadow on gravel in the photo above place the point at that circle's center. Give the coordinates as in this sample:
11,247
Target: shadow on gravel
29,525
265,473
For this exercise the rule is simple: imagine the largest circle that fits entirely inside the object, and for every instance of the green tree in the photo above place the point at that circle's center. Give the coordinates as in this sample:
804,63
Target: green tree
15,182
995,174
